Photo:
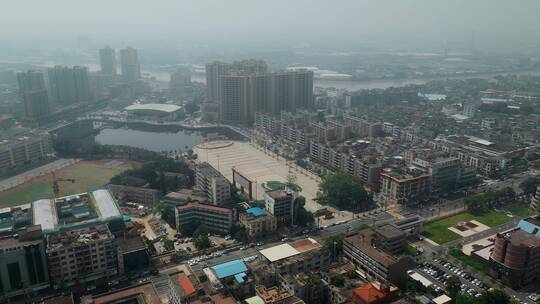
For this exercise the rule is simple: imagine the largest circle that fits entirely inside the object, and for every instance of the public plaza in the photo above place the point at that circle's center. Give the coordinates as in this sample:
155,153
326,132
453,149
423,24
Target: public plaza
261,166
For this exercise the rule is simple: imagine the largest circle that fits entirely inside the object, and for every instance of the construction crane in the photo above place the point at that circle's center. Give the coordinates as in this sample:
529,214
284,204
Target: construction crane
56,186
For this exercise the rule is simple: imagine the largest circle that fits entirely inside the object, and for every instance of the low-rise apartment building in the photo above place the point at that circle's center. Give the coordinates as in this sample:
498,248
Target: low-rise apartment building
211,182
281,205
372,261
362,127
405,186
296,257
216,219
138,195
18,151
258,222
366,172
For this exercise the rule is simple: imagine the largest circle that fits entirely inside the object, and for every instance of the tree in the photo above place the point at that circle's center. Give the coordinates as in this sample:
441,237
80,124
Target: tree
495,297
201,230
167,214
528,186
303,217
334,245
239,233
202,242
168,244
200,238
191,107
453,286
340,190
338,281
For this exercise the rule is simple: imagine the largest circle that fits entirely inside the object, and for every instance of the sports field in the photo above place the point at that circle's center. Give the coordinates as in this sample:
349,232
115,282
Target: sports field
438,231
87,175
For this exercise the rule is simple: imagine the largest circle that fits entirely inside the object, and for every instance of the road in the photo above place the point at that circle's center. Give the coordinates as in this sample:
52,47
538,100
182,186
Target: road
320,236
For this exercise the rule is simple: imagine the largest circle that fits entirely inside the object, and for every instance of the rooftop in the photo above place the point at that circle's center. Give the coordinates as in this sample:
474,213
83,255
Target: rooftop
371,292
203,206
279,252
75,210
276,194
363,240
15,217
284,251
186,285
256,211
230,268
442,299
166,108
140,294
78,236
130,244
388,231
520,237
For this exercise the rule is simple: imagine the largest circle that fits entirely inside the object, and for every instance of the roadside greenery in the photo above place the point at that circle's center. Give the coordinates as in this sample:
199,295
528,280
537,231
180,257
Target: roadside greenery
342,191
303,218
484,202
468,260
528,186
334,245
201,239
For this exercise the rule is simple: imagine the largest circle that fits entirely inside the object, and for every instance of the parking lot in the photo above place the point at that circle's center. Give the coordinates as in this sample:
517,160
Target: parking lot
443,270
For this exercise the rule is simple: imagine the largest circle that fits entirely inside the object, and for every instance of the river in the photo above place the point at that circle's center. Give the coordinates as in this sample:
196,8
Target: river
355,85
351,85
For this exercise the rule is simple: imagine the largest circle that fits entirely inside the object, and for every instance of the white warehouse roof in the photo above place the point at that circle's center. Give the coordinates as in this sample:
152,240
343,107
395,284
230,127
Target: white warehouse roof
279,252
44,214
105,204
160,107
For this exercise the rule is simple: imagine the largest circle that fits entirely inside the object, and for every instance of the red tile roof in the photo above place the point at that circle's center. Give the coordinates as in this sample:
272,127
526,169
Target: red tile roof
186,285
369,293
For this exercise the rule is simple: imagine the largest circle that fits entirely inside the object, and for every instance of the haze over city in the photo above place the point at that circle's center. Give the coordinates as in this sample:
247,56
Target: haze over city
270,152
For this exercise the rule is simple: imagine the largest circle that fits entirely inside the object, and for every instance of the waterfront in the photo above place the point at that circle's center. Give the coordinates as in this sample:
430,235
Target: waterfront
155,141
159,138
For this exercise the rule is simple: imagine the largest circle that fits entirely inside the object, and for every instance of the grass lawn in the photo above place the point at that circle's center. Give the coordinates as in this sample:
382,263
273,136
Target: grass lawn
522,210
87,175
410,250
438,231
275,185
469,260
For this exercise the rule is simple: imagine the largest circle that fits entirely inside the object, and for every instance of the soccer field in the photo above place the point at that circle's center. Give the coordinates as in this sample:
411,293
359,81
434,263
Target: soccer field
87,175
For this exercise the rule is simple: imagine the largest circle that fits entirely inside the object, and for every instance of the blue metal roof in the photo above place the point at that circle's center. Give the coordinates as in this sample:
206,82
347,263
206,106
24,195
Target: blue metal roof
256,211
230,268
529,227
240,278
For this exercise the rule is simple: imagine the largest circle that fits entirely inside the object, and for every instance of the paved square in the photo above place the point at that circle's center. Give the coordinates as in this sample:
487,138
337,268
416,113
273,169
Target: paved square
465,229
261,167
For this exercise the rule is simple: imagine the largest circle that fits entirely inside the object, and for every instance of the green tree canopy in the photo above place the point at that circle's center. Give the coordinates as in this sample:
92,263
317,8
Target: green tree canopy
340,190
200,238
528,186
303,217
334,244
453,286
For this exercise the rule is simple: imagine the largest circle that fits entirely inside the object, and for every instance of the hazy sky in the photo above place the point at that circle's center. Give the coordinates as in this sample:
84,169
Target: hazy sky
498,23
